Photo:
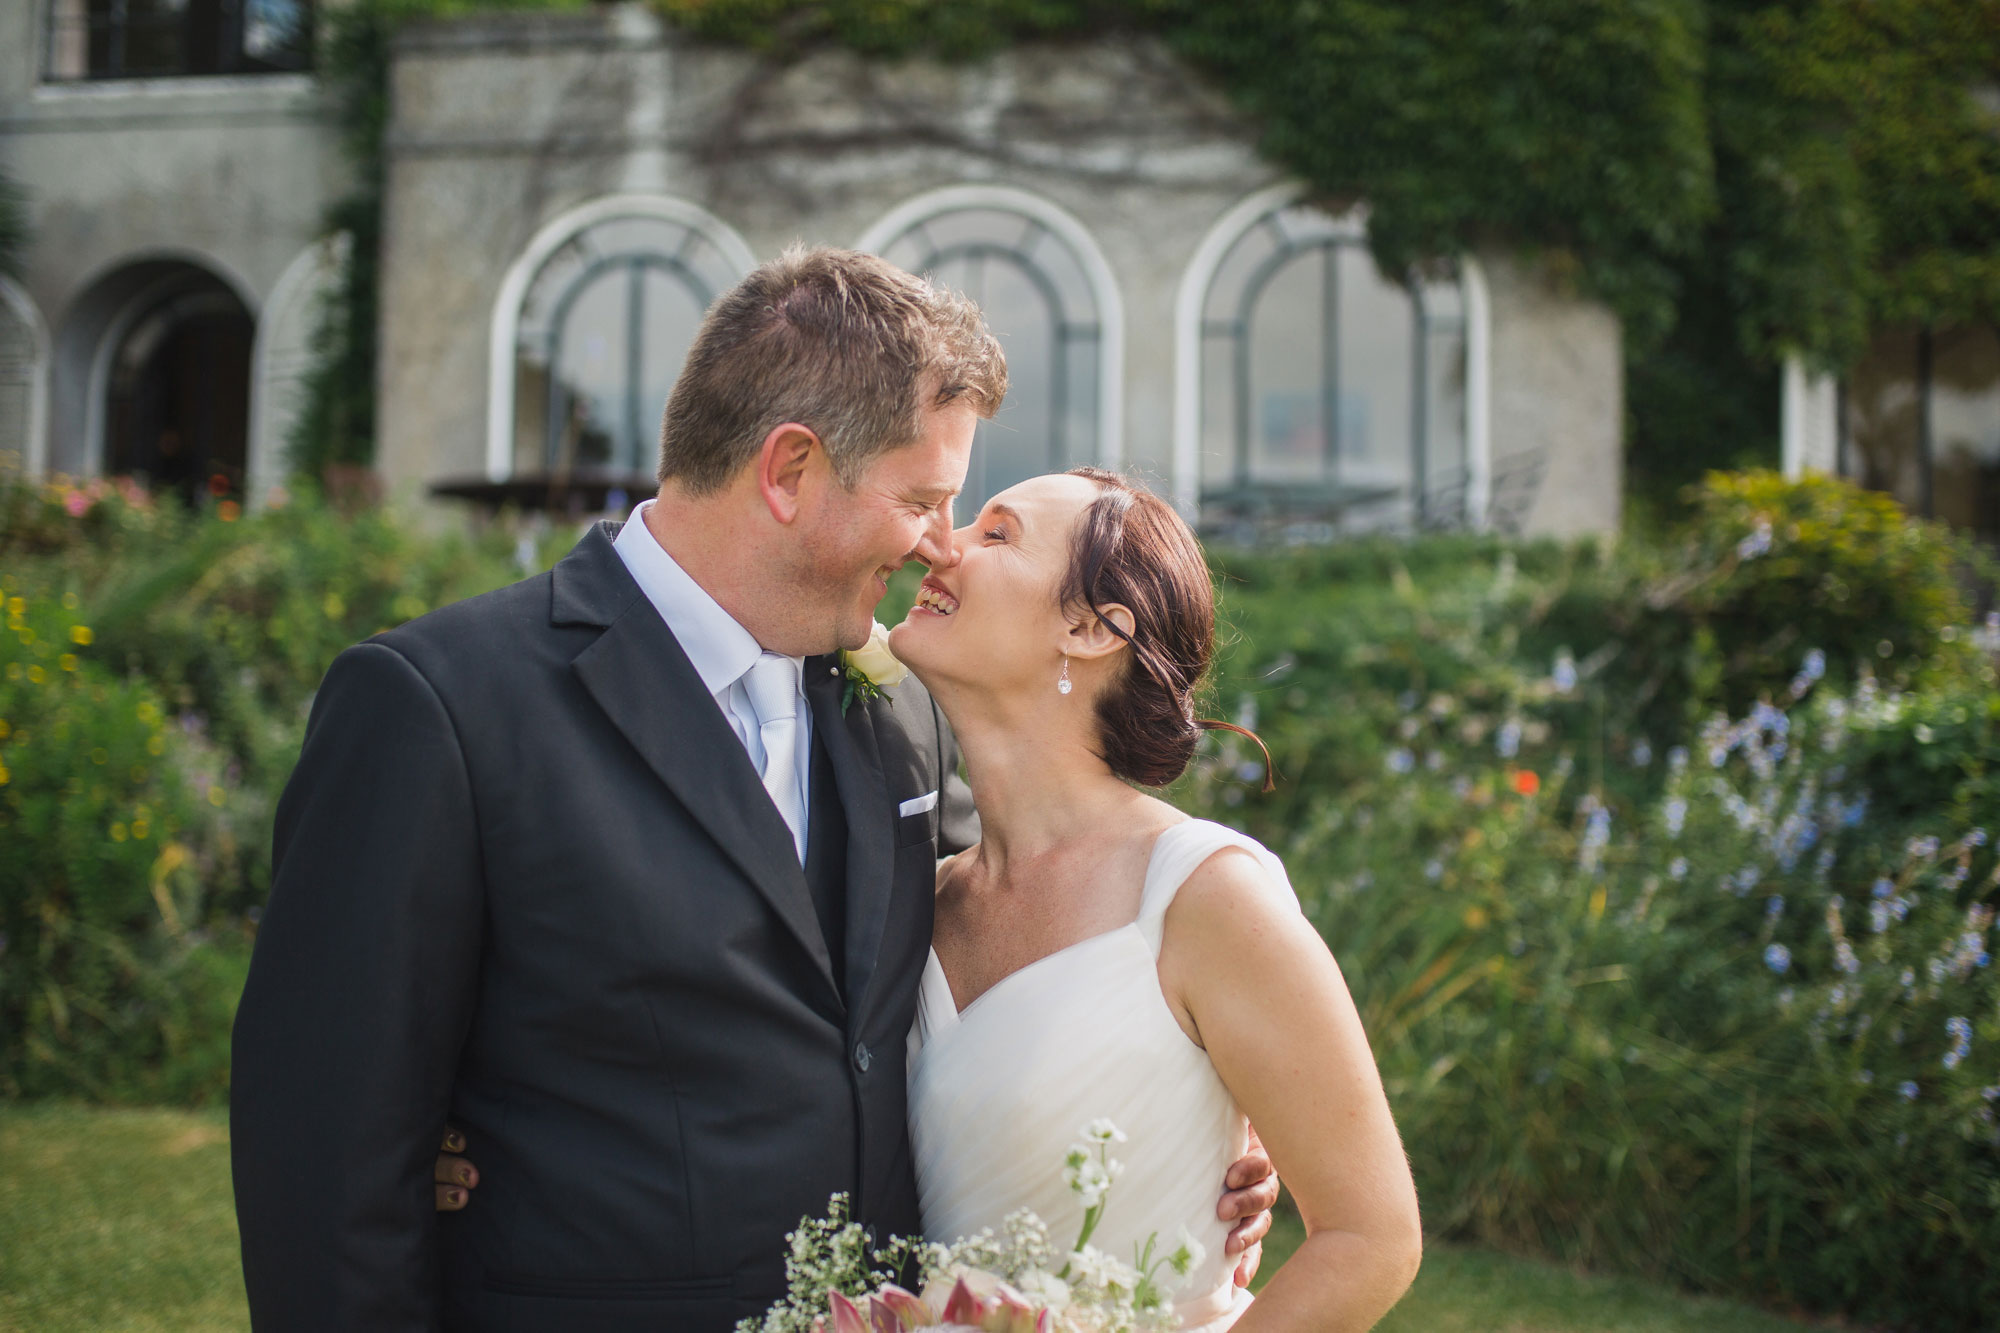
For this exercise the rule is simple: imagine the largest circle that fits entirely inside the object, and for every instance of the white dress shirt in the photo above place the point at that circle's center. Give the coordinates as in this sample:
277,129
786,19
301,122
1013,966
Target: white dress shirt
721,650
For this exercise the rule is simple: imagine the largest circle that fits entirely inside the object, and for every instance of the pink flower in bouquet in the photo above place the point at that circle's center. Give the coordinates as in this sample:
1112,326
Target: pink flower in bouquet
974,1303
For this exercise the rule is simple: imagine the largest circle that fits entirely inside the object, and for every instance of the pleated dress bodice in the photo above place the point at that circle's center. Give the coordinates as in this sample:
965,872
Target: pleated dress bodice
1000,1091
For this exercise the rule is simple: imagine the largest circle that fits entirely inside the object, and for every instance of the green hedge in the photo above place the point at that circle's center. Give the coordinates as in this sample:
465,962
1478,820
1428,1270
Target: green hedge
1554,808
1658,870
153,697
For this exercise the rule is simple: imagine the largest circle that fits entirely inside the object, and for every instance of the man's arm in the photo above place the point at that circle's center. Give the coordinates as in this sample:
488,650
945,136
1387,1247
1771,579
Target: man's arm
359,997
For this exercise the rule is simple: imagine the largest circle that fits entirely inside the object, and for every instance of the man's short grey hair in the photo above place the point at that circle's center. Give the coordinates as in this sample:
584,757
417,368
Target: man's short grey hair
843,343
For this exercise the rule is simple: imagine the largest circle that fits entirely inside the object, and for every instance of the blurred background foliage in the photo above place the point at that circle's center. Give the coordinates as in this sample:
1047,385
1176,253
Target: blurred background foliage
155,675
1661,872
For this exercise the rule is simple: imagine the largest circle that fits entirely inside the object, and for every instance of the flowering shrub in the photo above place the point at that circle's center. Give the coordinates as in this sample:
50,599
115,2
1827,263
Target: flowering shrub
108,984
207,632
1709,999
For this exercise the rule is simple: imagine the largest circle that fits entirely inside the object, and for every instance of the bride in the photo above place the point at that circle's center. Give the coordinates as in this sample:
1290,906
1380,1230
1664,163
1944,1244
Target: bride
1098,954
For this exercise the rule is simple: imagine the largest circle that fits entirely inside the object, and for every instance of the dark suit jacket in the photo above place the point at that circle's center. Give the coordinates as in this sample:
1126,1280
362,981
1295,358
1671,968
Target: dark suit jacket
527,879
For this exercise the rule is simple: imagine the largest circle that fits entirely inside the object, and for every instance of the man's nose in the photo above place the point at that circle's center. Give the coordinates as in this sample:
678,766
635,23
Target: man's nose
936,547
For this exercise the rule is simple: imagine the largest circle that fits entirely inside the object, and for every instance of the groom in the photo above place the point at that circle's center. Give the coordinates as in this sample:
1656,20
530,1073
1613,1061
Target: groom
607,870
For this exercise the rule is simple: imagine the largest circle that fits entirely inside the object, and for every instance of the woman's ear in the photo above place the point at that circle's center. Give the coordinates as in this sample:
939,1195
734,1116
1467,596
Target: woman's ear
1096,637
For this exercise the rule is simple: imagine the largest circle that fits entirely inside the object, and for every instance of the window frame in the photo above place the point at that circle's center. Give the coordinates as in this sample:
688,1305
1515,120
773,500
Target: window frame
1195,333
231,59
1044,218
503,338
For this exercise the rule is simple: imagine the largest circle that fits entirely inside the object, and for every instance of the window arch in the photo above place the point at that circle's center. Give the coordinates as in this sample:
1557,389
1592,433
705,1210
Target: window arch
1314,390
1049,296
590,329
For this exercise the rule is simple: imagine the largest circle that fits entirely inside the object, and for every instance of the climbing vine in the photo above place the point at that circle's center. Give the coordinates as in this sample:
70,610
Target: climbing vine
1739,179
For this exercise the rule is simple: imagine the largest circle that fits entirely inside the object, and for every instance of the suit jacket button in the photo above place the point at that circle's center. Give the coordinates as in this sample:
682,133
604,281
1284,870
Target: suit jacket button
862,1057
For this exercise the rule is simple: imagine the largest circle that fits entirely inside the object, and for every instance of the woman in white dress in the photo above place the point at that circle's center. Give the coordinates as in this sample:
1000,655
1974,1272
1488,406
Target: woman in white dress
1099,954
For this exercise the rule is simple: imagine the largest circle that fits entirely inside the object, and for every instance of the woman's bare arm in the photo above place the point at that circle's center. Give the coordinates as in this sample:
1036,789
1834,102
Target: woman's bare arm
1257,987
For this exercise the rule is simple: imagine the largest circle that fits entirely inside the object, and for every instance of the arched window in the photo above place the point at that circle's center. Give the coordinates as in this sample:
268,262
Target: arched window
1326,394
1048,296
603,328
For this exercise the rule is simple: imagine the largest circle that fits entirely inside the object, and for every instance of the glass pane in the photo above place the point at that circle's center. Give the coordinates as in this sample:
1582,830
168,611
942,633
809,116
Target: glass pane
672,313
1377,352
1038,301
1218,412
1965,425
1447,462
1883,405
275,32
608,395
590,429
1287,379
1026,437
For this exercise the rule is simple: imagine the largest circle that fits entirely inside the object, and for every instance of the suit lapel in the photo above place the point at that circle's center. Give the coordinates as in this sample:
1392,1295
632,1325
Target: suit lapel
871,820
637,673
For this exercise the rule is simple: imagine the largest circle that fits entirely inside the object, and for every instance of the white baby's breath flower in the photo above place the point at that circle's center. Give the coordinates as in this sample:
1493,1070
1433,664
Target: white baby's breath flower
1043,1288
1103,1131
1090,1180
1190,1256
874,660
1091,1267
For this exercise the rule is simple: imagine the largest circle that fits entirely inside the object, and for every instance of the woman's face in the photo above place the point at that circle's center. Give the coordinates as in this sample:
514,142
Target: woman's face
991,617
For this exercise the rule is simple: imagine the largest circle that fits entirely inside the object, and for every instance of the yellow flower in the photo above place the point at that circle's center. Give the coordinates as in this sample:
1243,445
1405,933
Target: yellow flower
334,606
117,833
156,745
80,634
5,776
36,675
216,796
69,601
140,828
5,730
17,606
100,755
67,661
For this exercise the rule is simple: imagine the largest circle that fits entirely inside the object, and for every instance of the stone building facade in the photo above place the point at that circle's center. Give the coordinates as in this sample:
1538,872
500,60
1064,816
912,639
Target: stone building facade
566,192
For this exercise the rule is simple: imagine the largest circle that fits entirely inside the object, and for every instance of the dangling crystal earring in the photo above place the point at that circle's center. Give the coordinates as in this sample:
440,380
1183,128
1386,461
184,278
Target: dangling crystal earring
1063,685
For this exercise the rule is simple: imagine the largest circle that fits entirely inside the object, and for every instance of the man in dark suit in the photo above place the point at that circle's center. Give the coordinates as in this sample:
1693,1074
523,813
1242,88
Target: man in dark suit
607,870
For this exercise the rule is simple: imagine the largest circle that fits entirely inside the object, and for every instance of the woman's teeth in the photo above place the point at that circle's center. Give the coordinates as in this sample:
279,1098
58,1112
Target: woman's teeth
932,599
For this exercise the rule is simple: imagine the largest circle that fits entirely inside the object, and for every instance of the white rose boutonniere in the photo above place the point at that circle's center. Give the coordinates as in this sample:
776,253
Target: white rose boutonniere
871,668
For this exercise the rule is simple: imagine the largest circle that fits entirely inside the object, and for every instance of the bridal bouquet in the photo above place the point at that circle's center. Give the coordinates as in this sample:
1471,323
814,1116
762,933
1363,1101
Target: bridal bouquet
1018,1281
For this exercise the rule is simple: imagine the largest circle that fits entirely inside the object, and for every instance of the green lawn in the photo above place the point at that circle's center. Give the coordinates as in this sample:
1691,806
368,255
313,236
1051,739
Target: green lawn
120,1222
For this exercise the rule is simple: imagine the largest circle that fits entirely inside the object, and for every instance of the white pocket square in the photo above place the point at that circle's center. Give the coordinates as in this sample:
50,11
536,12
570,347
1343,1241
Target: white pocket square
917,805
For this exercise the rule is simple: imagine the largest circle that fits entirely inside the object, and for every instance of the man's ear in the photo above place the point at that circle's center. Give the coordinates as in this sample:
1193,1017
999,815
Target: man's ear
1095,637
783,461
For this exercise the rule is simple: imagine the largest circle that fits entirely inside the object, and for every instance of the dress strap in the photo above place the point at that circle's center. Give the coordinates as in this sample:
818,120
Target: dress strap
1178,851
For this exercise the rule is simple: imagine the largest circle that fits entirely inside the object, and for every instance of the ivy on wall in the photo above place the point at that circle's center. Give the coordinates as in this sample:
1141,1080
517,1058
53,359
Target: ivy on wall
1739,179
336,426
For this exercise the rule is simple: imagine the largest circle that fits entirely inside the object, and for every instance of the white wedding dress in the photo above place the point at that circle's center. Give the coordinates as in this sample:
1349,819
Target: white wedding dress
999,1092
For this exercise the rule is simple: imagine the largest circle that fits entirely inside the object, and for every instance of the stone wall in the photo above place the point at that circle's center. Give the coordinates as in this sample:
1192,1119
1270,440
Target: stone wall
503,124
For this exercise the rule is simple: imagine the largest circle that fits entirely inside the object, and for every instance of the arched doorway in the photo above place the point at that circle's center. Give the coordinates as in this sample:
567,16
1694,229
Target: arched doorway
177,405
152,380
